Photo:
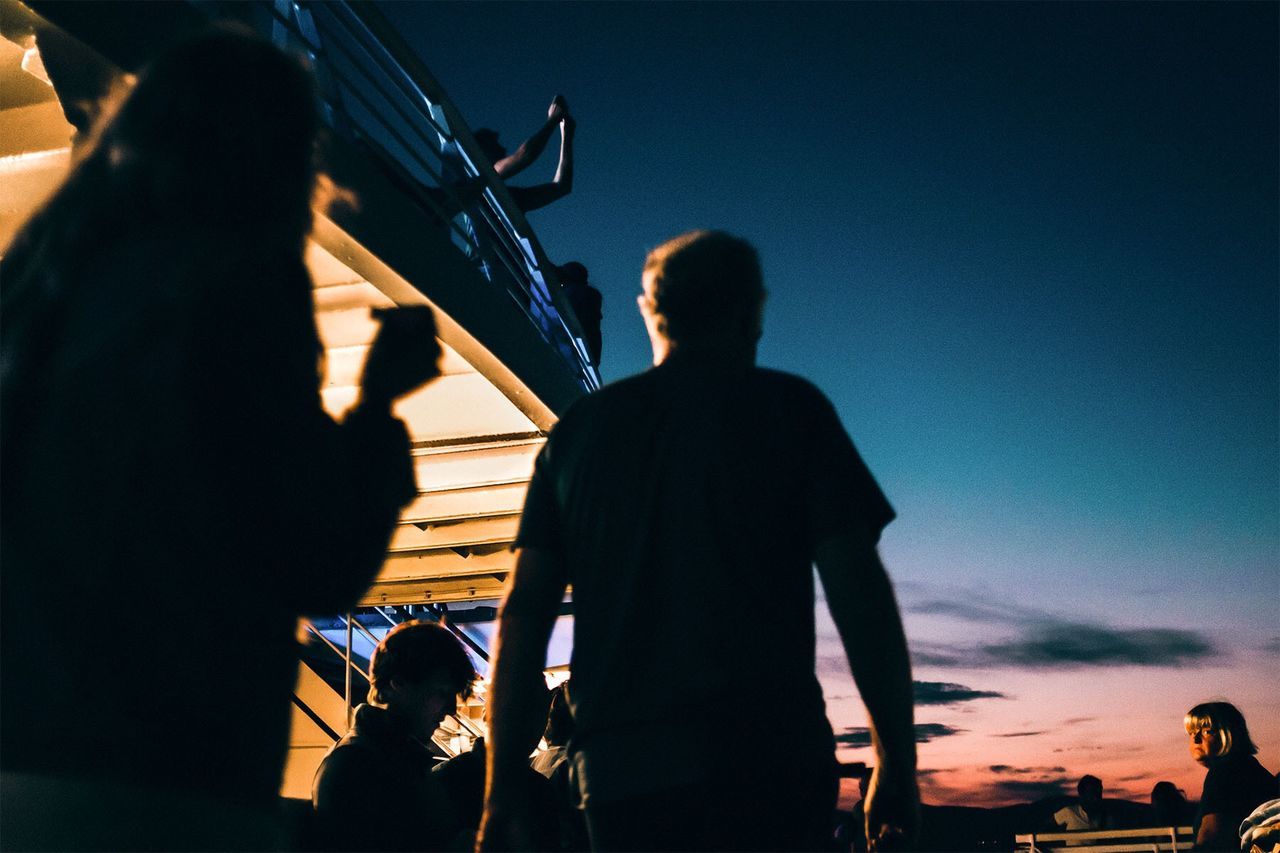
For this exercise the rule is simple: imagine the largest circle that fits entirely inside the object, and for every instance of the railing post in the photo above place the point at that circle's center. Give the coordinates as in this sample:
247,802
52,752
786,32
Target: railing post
347,673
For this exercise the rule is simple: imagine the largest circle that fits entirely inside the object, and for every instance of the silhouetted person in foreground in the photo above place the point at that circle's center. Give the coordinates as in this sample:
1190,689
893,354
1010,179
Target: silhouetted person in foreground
173,495
1089,813
687,506
375,789
586,302
1236,783
463,779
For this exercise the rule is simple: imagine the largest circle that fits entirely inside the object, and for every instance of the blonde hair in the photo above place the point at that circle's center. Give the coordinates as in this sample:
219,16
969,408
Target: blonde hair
1225,719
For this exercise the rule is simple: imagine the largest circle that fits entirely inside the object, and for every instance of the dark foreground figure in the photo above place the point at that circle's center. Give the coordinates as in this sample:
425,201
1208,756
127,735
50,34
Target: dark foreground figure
687,507
375,790
174,496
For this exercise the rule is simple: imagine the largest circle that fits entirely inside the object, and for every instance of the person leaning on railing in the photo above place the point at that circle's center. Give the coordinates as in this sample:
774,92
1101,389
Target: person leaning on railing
508,165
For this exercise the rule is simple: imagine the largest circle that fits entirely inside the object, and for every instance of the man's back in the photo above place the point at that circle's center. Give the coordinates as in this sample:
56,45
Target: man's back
687,507
686,502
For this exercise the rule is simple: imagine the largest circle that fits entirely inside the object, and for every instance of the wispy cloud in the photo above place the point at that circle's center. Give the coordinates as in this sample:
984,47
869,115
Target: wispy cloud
1075,721
1073,645
1272,646
1065,646
1040,639
1024,771
947,693
1028,789
857,737
1018,734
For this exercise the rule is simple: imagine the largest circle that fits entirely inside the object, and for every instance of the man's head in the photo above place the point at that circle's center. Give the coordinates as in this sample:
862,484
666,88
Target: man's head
487,141
573,273
418,672
1090,790
703,289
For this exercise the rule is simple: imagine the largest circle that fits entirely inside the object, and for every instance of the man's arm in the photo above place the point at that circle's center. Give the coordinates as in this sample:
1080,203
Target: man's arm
541,195
862,605
517,694
531,149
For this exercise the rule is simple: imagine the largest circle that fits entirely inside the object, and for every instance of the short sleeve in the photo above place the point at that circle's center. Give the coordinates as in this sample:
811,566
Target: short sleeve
842,496
540,521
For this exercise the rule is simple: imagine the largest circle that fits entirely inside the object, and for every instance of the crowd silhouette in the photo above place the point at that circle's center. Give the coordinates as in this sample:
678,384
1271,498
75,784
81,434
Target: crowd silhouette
158,352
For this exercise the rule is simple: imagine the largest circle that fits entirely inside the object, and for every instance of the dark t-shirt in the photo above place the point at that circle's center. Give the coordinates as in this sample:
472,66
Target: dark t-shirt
375,790
1233,788
686,503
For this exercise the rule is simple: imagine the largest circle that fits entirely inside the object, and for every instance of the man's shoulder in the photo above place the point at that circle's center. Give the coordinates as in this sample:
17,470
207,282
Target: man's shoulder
788,383
617,394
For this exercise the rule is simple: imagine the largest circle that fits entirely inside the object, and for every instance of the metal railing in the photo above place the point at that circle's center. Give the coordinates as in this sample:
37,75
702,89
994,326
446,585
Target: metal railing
470,729
377,94
1163,839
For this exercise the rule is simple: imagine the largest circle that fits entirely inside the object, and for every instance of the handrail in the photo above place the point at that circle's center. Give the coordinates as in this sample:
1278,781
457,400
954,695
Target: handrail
368,635
419,121
334,648
1159,840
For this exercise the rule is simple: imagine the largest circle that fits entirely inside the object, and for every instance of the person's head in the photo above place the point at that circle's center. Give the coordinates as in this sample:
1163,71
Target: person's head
1216,730
216,136
487,140
1089,789
220,128
417,673
1168,802
573,273
703,289
559,718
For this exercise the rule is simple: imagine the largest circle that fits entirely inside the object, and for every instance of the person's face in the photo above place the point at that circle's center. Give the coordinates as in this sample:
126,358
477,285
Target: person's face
653,322
1205,743
423,704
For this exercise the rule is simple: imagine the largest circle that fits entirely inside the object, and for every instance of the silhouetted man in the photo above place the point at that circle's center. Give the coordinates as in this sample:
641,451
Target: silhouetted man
375,790
1089,813
687,506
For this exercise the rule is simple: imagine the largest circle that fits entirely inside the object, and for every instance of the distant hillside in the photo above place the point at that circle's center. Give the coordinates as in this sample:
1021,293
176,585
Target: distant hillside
957,828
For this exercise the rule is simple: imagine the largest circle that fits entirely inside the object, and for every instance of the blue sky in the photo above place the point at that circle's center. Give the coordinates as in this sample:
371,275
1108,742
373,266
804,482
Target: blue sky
1030,252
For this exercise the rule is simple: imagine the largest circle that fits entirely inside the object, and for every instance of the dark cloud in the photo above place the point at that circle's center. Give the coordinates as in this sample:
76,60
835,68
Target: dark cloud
1272,646
1024,771
976,611
935,656
1042,640
1065,646
946,693
857,737
1073,721
1027,789
926,732
1019,734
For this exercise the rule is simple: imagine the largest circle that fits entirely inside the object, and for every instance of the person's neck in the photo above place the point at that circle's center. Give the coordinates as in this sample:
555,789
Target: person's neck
717,351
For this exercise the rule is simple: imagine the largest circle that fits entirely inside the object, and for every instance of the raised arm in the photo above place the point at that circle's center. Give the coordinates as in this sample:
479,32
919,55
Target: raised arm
517,695
531,149
865,612
541,195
